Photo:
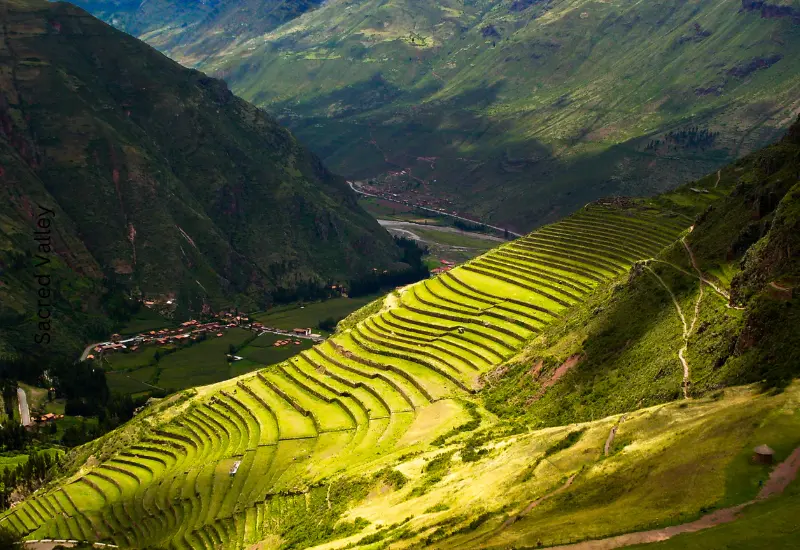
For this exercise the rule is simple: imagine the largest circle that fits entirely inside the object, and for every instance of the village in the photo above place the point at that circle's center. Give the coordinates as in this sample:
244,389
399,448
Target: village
194,330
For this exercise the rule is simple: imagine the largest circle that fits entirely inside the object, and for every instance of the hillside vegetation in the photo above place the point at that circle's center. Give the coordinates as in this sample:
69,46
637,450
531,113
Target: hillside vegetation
388,434
195,31
149,180
521,111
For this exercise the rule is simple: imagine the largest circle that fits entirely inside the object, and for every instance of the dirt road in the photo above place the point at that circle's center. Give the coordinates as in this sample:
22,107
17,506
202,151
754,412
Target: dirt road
24,412
781,476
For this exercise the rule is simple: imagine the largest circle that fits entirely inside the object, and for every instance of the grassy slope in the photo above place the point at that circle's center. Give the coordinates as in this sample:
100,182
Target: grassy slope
629,332
502,97
780,514
193,31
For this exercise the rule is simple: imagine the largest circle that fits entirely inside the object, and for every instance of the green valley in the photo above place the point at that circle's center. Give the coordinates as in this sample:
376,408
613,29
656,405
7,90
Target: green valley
521,111
551,302
590,380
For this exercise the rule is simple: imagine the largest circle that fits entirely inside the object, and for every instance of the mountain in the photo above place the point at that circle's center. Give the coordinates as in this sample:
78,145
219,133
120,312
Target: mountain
607,375
521,111
193,31
125,173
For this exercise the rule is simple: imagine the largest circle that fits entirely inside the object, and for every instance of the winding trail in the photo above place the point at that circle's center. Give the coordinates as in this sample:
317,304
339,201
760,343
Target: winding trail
537,502
681,351
779,479
612,434
719,175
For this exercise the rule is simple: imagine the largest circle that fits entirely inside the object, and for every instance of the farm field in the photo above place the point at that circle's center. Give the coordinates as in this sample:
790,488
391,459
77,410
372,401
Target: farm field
37,400
12,461
262,350
388,210
144,320
308,315
200,363
203,362
396,377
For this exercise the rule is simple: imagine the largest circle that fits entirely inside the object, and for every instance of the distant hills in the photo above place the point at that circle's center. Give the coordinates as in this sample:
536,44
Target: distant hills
517,110
193,31
124,173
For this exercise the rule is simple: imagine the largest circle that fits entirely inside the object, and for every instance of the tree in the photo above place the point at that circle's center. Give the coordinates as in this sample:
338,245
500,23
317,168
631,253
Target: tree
9,539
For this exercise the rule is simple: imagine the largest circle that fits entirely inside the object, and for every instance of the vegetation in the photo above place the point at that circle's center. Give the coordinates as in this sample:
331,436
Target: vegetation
396,377
474,100
152,209
624,339
490,396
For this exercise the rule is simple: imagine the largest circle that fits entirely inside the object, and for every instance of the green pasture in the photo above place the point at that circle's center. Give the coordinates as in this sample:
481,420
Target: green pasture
145,320
308,315
262,350
201,363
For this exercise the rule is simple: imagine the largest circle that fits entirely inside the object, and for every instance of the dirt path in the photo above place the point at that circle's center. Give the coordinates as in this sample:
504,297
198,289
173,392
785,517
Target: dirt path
779,479
538,501
24,412
776,286
50,544
611,435
681,357
719,175
674,300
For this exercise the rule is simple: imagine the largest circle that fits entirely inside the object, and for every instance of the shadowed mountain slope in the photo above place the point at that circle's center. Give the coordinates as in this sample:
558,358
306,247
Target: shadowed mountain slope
159,179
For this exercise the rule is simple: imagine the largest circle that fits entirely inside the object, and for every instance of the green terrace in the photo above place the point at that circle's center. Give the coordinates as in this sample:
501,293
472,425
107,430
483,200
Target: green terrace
208,473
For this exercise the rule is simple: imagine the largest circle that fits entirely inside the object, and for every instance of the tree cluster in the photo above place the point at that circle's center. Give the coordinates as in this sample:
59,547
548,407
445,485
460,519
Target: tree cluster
27,476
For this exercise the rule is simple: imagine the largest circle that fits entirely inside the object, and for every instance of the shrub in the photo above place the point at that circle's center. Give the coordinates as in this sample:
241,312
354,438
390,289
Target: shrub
566,443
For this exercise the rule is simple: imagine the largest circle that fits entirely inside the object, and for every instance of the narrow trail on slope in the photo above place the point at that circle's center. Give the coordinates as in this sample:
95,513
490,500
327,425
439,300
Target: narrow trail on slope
681,351
723,293
538,501
612,434
719,175
694,319
779,479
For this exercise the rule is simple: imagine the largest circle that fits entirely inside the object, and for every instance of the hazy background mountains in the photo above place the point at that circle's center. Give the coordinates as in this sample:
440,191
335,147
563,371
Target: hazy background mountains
517,110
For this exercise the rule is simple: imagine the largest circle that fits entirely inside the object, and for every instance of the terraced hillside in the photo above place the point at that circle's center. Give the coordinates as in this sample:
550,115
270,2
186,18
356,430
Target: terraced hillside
216,467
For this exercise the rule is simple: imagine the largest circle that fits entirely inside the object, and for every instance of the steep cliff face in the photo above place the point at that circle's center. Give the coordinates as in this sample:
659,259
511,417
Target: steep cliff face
158,177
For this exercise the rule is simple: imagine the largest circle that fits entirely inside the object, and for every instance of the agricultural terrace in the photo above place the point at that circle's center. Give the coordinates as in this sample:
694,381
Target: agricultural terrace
385,387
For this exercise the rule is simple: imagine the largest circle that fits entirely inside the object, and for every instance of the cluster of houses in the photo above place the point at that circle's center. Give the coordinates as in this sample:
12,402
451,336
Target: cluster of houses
49,417
446,266
306,332
194,330
407,197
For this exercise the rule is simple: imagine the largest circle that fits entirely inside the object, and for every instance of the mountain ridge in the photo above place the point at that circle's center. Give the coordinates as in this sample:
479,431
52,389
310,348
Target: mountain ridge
522,112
